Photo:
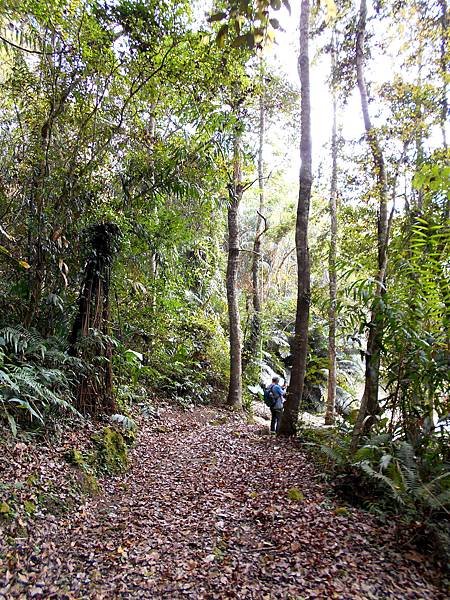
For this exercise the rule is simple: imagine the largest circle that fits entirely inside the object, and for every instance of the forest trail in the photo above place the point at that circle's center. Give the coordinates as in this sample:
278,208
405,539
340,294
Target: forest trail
204,512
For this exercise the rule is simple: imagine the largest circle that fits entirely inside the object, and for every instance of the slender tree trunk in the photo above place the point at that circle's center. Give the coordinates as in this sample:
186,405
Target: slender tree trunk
419,129
444,121
254,339
37,204
36,274
444,76
331,397
257,259
235,195
369,402
295,391
444,69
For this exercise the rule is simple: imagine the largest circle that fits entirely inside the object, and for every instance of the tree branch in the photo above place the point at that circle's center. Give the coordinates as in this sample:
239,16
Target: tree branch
29,50
266,227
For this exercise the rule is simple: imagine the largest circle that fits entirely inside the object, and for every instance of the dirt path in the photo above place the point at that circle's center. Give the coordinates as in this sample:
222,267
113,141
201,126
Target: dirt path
204,513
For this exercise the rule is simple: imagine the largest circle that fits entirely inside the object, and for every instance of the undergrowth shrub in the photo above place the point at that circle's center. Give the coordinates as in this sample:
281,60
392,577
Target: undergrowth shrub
388,476
37,377
389,468
186,365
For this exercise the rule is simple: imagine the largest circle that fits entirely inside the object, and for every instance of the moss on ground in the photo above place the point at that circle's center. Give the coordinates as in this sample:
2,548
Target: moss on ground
109,455
76,458
111,451
6,511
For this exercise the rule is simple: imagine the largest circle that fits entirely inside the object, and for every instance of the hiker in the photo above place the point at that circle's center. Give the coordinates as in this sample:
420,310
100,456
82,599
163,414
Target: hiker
273,397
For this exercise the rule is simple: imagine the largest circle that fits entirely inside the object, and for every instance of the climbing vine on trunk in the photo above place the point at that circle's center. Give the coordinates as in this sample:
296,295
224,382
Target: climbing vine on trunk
235,191
90,338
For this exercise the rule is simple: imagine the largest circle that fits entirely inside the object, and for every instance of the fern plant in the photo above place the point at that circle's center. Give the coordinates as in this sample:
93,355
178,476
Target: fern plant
31,386
384,472
399,471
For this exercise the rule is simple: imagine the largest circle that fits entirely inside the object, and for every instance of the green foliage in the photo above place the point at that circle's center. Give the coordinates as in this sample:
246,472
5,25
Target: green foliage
416,313
188,361
125,112
384,473
131,72
31,387
295,495
247,24
396,467
413,308
111,451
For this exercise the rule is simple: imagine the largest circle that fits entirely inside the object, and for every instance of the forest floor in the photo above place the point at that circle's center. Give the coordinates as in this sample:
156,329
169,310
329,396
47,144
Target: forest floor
212,507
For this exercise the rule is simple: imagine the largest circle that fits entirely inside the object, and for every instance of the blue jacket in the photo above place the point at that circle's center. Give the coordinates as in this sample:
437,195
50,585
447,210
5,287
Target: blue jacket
279,393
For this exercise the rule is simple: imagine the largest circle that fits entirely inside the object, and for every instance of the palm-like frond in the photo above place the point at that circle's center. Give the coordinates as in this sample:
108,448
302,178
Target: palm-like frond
35,375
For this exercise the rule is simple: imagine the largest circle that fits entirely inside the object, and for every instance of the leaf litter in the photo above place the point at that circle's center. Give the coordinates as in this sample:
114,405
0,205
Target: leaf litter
212,508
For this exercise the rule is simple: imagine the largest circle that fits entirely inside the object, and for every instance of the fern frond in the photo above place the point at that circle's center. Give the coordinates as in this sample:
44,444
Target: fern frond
124,422
331,453
395,491
443,499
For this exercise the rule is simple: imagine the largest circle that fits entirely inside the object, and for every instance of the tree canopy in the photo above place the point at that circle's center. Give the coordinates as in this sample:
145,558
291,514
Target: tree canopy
181,219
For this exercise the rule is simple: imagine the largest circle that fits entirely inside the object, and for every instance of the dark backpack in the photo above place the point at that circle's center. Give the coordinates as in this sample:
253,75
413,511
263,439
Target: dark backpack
269,396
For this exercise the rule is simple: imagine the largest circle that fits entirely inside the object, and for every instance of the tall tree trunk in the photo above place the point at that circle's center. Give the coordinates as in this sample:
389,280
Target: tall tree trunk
444,77
36,274
300,346
331,396
419,129
252,347
94,394
235,195
369,402
444,69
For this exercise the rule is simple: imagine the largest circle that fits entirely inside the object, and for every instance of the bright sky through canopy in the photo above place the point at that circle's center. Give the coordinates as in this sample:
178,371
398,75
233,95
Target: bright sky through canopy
382,66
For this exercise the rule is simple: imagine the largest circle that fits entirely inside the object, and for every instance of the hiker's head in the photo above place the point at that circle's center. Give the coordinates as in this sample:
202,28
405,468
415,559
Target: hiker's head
275,380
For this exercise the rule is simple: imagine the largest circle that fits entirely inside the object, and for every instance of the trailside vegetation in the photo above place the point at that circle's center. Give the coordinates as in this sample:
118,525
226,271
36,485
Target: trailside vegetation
169,231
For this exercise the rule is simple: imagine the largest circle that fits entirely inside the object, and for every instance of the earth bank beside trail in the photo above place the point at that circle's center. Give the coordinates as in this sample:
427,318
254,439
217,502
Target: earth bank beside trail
212,507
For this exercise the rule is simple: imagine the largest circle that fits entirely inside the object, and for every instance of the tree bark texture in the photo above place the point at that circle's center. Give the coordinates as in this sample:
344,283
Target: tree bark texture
331,396
91,328
235,195
444,76
369,402
444,69
300,345
419,130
